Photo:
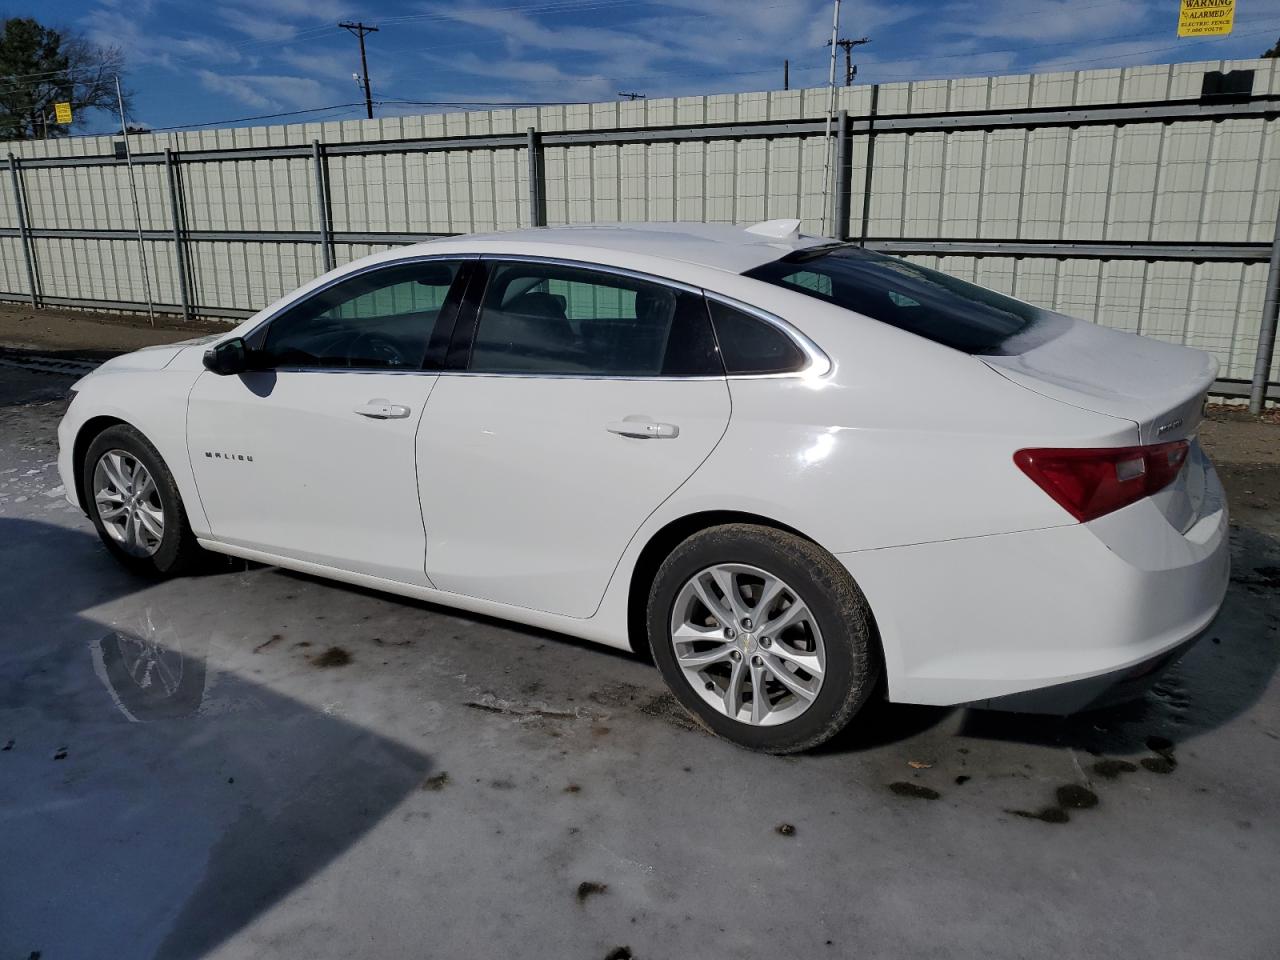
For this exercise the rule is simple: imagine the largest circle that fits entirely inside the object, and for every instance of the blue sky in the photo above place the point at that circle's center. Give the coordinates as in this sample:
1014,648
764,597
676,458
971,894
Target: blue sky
223,59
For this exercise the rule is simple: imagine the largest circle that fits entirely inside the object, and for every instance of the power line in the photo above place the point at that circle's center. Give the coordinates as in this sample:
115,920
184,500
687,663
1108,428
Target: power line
260,116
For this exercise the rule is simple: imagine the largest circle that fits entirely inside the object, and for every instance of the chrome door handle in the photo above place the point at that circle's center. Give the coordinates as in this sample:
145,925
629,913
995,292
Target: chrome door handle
380,409
644,429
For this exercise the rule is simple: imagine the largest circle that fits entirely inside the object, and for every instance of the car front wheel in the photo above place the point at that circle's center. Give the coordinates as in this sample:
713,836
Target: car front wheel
763,637
135,505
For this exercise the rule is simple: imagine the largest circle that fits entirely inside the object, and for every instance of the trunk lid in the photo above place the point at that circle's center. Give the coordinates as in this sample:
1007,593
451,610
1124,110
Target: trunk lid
1158,386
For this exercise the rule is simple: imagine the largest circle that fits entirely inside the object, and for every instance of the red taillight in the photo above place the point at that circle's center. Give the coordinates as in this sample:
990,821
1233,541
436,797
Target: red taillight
1095,481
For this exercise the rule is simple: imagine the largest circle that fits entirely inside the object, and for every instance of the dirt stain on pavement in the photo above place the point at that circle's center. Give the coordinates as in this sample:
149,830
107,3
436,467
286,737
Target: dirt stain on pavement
1112,769
619,953
1164,761
436,783
275,638
904,789
501,706
1045,815
666,707
589,888
786,829
1075,797
1070,796
333,657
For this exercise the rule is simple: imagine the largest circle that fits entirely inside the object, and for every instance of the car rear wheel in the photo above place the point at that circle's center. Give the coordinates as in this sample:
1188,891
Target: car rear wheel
763,637
135,505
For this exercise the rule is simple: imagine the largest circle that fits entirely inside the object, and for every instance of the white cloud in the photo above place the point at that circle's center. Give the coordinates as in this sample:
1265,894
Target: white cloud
1043,21
145,46
688,39
266,91
257,28
1097,56
550,81
307,10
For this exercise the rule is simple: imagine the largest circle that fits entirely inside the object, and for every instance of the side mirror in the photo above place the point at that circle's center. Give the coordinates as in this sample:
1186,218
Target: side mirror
227,358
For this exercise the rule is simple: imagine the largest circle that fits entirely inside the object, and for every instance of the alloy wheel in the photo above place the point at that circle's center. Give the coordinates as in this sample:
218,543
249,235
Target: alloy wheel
748,644
128,503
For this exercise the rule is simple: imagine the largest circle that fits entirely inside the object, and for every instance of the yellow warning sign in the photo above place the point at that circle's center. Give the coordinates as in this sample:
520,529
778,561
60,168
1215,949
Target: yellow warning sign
1206,18
62,112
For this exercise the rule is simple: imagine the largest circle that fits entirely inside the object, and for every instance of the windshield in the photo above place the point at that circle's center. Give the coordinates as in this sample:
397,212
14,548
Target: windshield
914,298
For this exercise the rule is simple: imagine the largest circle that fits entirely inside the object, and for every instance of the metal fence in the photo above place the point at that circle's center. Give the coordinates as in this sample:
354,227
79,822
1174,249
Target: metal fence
1144,198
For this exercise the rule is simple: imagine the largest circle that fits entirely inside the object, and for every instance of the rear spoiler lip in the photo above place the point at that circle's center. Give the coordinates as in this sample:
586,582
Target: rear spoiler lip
1172,414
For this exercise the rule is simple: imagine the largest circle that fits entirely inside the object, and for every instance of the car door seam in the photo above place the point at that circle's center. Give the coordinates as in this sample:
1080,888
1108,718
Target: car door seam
692,473
417,482
191,461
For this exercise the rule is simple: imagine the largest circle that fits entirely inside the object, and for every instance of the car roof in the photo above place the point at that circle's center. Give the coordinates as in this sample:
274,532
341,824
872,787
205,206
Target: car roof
719,246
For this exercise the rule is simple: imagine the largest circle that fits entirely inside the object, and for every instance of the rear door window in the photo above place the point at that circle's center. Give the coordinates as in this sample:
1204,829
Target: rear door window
555,319
925,302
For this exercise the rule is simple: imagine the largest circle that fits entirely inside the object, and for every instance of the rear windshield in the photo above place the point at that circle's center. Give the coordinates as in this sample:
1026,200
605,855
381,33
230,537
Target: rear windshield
925,302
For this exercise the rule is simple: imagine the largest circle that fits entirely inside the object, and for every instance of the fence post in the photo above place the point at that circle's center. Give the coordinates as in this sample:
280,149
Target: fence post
20,204
179,248
1267,330
871,164
844,177
537,184
322,203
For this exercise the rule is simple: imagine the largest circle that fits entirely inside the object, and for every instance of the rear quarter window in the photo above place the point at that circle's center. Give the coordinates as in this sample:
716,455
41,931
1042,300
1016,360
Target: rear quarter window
750,345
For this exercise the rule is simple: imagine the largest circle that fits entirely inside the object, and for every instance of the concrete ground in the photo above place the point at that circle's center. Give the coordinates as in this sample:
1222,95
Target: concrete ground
253,763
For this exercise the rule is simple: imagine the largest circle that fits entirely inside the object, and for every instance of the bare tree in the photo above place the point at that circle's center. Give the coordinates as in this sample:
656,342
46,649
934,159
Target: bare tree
41,66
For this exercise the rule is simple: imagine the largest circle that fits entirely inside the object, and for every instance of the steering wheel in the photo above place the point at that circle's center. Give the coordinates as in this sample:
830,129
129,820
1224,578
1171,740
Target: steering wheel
381,351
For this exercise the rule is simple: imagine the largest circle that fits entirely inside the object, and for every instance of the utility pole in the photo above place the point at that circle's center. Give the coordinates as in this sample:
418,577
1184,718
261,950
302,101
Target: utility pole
137,212
831,111
786,74
358,30
631,96
847,45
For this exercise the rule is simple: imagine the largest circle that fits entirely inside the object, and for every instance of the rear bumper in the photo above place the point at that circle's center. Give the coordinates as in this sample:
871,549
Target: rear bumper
1092,693
1054,620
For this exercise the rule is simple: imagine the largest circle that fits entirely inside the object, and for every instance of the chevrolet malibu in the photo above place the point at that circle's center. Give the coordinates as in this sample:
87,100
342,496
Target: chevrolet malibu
797,473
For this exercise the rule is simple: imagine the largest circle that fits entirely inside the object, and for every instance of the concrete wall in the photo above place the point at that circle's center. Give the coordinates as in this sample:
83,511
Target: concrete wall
1194,181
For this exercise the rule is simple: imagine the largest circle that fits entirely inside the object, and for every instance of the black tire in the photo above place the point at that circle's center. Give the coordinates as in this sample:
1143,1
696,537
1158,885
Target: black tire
178,551
853,659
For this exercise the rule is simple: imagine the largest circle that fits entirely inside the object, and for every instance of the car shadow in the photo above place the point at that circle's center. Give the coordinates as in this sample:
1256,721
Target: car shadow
427,606
1212,684
156,798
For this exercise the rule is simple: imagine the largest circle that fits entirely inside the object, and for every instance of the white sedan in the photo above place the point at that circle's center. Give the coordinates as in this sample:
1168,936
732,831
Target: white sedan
796,472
